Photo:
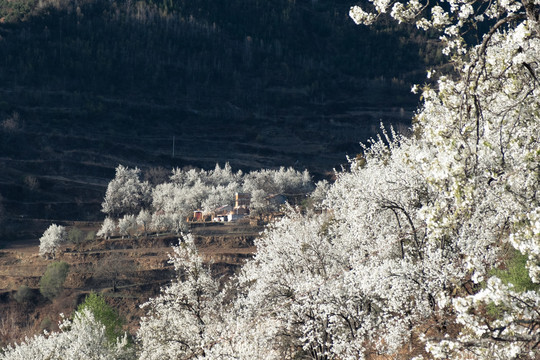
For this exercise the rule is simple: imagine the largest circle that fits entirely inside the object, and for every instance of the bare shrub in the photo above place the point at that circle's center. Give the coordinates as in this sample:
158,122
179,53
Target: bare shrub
114,270
157,175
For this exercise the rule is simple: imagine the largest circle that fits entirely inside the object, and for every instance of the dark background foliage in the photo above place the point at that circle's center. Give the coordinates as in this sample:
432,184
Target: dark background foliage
86,85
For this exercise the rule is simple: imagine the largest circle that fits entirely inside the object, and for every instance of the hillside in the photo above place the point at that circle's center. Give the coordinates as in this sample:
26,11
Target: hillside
425,246
137,266
87,85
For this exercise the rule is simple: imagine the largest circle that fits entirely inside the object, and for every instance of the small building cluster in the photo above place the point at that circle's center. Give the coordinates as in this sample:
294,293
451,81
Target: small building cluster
228,213
240,210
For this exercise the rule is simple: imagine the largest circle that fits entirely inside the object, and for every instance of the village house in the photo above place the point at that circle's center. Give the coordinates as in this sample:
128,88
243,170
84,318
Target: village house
242,200
227,213
220,214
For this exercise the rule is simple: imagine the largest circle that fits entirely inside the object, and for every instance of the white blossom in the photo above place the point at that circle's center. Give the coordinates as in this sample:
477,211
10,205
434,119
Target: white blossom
108,228
81,339
126,194
51,238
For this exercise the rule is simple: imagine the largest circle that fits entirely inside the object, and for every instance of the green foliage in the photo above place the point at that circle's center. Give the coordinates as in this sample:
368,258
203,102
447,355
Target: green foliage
11,11
90,236
52,282
516,273
495,311
105,314
24,294
75,235
46,324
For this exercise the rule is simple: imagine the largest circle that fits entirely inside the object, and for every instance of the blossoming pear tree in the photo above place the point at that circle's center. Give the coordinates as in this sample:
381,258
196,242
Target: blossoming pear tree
422,227
108,228
126,193
51,238
181,322
479,152
84,337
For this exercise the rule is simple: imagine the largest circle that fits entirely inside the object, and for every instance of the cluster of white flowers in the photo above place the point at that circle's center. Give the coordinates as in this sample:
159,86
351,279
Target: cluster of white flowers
82,338
418,226
51,238
182,321
453,18
126,193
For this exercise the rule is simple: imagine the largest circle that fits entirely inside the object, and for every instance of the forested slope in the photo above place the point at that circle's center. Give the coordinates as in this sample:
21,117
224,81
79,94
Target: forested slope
87,85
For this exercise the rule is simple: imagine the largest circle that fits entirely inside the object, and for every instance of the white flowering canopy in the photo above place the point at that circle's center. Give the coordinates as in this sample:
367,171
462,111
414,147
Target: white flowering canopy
108,228
183,321
51,238
82,338
478,149
126,193
420,229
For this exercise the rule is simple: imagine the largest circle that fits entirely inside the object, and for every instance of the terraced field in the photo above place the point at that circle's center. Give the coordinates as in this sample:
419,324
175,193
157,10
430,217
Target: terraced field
141,266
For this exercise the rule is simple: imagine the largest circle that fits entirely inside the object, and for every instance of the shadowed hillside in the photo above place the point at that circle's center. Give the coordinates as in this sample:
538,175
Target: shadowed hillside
87,85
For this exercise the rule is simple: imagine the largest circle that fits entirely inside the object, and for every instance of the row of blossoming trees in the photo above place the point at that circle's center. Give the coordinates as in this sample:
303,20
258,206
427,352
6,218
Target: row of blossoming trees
134,206
417,256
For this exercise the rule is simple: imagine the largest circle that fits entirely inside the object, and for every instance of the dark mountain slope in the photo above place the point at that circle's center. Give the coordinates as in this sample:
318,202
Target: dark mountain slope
85,85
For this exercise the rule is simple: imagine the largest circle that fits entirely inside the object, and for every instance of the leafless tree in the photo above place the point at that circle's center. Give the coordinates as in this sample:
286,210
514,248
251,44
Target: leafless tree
114,270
